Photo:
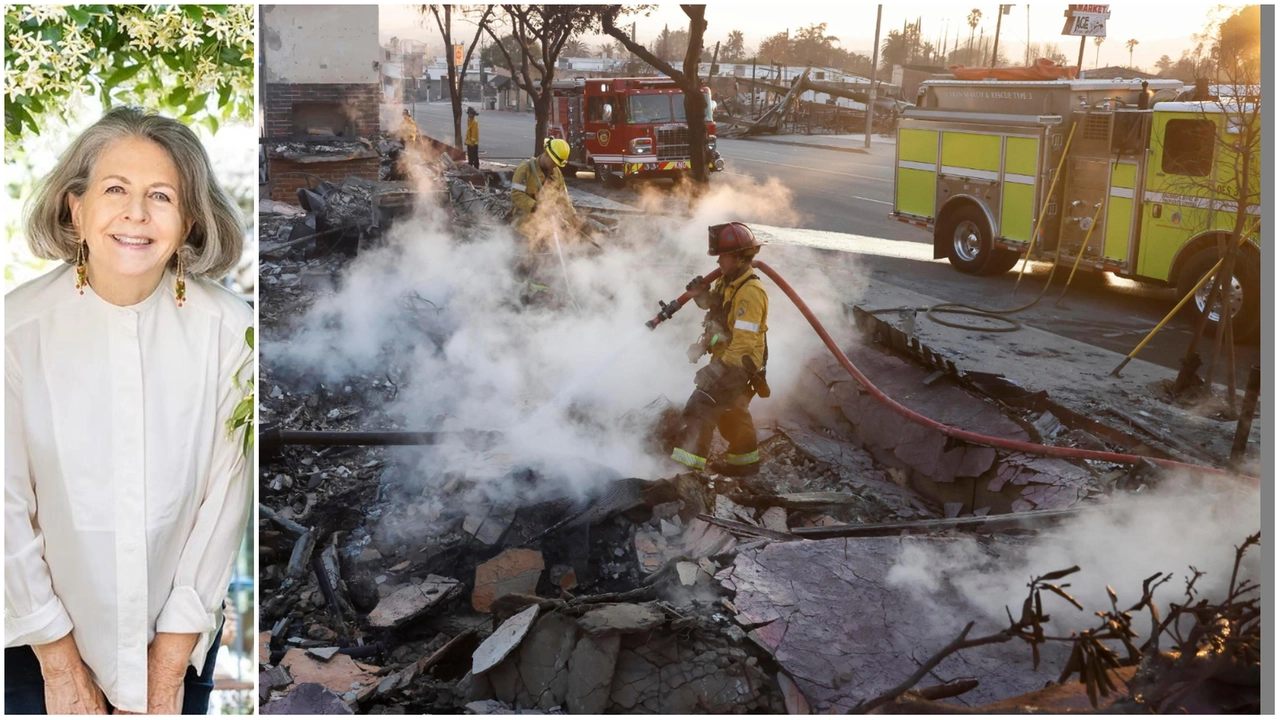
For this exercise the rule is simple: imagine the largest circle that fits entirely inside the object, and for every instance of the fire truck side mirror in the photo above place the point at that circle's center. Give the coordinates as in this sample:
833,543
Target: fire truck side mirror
606,113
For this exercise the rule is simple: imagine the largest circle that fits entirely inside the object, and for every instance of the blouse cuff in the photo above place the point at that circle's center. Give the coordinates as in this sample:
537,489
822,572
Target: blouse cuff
184,612
46,624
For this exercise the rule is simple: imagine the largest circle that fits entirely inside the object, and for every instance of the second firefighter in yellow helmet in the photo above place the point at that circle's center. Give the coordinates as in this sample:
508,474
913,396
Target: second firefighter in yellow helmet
538,190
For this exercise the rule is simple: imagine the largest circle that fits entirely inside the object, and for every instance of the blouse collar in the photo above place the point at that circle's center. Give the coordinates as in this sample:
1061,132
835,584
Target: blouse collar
166,283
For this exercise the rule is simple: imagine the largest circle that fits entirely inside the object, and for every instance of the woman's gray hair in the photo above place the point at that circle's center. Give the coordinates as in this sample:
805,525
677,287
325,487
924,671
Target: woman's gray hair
213,246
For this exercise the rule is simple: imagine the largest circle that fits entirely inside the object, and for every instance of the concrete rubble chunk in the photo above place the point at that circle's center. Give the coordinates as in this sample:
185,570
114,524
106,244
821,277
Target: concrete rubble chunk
775,518
341,674
490,707
844,628
621,618
544,660
499,645
308,699
591,674
688,572
264,648
791,696
324,654
411,601
488,529
515,571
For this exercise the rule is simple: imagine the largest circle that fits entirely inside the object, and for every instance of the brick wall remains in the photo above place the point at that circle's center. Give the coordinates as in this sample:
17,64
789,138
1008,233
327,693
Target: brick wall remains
284,186
361,100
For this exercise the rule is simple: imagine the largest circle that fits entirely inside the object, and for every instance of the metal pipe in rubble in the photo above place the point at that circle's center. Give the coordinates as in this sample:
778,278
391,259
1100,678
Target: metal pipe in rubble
669,309
272,438
969,437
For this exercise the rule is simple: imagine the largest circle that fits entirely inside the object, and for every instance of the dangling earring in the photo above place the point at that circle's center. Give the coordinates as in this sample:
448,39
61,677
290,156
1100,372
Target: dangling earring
180,286
82,270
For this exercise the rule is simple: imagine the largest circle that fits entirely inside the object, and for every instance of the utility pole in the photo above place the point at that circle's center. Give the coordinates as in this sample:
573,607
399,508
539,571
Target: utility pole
1080,59
875,66
995,45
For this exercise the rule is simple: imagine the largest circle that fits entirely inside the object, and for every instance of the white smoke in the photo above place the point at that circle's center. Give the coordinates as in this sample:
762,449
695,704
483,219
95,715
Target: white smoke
440,313
1180,526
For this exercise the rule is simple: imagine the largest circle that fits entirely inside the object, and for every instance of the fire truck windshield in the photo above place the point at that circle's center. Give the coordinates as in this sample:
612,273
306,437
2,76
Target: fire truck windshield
659,108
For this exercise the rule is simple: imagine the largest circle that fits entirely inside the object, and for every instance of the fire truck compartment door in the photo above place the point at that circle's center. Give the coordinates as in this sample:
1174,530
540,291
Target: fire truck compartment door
917,172
1179,179
1018,199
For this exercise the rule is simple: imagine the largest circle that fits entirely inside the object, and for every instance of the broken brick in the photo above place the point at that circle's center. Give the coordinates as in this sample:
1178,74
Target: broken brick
515,571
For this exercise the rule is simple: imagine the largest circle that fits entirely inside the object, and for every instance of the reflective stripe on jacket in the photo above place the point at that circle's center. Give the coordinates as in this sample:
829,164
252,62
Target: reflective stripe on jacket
746,320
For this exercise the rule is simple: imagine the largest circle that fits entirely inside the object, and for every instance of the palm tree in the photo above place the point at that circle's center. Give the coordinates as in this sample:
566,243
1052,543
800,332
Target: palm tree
736,46
1097,44
575,48
975,16
1131,44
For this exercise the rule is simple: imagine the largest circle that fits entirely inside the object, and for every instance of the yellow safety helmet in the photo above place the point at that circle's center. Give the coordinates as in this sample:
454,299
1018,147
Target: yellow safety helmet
557,149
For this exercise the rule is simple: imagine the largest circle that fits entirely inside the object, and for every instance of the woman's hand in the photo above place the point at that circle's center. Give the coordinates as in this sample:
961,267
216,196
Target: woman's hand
69,689
167,661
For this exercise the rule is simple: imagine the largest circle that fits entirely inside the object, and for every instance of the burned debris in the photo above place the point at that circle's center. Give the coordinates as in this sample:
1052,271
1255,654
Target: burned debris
412,565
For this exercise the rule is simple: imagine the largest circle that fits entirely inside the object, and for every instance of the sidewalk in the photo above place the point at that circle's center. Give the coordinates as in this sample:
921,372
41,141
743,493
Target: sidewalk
842,143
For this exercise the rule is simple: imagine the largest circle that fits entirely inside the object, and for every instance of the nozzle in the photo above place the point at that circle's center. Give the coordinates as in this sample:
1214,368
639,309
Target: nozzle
664,314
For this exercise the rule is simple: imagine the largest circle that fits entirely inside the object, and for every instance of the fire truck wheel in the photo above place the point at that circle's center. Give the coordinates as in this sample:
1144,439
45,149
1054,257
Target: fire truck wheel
967,238
1244,293
1002,261
610,180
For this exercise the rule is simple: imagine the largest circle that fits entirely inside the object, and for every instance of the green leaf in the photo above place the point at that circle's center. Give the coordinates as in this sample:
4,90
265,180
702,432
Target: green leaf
194,12
124,74
248,336
197,103
78,15
178,96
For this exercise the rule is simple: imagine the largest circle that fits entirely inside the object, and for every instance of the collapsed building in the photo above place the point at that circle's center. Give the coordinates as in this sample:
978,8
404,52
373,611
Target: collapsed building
412,563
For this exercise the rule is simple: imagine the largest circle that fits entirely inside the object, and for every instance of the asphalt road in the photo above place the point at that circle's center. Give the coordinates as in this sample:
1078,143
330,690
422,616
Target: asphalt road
852,193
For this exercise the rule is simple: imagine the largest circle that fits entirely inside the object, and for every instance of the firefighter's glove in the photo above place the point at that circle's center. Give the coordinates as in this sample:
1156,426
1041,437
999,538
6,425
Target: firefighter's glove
723,383
696,351
695,283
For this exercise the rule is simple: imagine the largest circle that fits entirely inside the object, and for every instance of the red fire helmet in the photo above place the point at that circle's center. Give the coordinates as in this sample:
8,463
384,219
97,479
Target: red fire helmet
730,237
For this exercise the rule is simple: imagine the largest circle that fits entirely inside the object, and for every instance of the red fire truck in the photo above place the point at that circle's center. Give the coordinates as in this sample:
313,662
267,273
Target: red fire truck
622,128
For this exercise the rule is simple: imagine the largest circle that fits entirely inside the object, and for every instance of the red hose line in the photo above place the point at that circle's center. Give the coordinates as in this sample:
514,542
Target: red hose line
971,437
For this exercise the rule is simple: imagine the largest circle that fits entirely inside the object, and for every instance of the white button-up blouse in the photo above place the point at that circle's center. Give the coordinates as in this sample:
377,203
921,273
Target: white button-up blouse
125,495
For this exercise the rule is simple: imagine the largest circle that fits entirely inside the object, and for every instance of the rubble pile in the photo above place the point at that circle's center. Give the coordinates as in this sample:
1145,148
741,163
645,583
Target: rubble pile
452,576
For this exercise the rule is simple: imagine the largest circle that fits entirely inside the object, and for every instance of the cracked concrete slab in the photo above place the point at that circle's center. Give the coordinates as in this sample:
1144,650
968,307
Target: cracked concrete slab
506,638
845,633
591,669
411,601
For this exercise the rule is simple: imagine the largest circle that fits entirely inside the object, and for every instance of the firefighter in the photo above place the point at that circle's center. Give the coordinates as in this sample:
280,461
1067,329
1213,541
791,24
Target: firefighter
473,138
734,333
538,192
408,129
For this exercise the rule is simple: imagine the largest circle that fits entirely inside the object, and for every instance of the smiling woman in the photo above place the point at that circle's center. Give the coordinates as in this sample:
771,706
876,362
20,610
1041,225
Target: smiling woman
125,493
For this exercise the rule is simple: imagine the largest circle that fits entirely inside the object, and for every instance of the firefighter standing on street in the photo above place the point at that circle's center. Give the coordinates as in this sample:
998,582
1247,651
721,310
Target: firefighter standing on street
734,333
473,138
540,198
408,129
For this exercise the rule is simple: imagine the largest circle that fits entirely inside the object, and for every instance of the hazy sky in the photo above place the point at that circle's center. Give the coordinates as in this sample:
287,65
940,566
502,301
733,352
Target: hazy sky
1161,29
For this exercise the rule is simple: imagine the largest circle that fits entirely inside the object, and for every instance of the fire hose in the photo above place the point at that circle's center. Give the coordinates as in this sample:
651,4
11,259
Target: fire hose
669,309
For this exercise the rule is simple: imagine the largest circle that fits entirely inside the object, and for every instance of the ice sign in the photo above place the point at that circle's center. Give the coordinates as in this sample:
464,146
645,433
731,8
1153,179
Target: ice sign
1086,20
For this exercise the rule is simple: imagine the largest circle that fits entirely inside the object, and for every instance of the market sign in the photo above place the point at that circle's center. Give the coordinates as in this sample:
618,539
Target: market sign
1086,20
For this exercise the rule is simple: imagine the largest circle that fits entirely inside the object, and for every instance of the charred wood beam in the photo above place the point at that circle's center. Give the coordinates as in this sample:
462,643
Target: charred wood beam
272,438
745,529
1024,520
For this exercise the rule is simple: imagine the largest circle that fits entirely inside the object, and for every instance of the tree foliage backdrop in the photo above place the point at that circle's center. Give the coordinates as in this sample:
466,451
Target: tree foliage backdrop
67,64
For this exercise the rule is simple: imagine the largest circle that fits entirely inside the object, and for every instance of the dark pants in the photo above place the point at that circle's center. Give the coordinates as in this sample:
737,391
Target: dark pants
24,685
703,414
473,156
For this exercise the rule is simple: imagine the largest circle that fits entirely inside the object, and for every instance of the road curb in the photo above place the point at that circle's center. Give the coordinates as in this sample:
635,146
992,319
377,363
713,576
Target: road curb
837,148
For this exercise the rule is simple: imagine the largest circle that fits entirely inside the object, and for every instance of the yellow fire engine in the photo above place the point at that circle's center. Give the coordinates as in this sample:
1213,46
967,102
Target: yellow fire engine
976,163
